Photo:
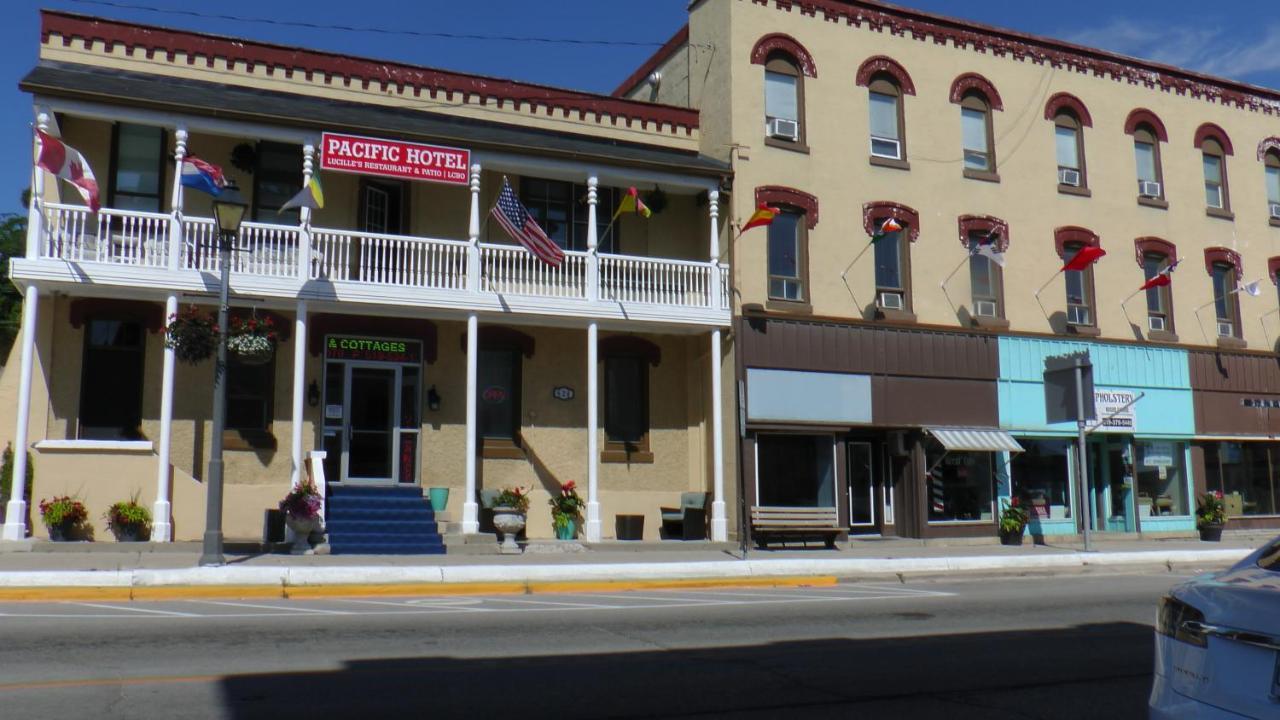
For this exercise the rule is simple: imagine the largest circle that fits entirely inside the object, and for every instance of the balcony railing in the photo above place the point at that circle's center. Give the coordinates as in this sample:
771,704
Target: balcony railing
142,239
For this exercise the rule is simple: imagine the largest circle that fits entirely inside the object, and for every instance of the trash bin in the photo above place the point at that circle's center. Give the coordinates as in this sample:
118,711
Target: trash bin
273,526
629,527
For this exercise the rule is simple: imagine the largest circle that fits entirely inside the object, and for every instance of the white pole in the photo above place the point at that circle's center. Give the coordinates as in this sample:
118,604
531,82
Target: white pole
473,251
15,525
470,511
593,420
161,512
35,221
304,217
175,205
719,523
713,210
299,389
593,242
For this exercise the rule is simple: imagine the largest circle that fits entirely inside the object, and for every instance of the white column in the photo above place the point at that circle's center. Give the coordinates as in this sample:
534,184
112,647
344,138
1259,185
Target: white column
161,512
593,452
175,204
35,219
719,524
470,510
304,217
713,208
299,389
593,242
15,526
473,235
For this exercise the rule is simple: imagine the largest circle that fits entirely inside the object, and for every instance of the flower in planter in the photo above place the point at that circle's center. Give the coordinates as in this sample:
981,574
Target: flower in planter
192,334
567,506
1210,510
62,513
128,518
303,502
251,338
1013,517
514,497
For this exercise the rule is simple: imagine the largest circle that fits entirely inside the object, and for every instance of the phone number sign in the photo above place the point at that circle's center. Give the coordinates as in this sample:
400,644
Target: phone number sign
394,159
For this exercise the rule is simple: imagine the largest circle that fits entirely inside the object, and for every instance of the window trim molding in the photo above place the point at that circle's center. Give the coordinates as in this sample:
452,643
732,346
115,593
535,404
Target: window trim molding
630,345
805,303
782,195
620,451
1066,101
150,315
1073,234
1077,126
114,162
1143,116
1266,145
970,82
1214,255
1073,237
983,223
500,337
1152,244
1209,131
106,315
888,209
883,64
783,43
504,340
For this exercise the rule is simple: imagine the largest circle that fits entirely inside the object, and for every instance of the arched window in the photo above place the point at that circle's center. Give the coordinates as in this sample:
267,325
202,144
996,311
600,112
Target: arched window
1224,267
1214,148
977,138
888,128
892,252
1271,168
1081,301
1156,256
1068,133
788,244
786,64
986,238
1148,132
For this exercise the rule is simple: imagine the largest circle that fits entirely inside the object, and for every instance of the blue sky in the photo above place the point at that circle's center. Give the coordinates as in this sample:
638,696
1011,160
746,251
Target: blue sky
1240,39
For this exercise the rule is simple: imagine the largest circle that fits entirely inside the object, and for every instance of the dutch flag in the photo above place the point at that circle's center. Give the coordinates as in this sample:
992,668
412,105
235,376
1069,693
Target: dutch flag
200,175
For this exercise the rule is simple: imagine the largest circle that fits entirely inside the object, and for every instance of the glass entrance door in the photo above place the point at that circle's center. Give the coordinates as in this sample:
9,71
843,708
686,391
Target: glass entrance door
1111,486
862,489
372,411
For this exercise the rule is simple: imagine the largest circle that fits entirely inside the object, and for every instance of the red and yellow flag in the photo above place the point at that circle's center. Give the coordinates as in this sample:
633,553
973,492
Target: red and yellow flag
631,203
762,217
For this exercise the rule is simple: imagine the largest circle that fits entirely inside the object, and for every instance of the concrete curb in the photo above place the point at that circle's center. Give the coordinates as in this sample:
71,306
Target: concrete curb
310,581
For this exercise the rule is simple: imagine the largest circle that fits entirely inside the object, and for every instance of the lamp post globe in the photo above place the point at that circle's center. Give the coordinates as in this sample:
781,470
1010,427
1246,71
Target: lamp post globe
228,211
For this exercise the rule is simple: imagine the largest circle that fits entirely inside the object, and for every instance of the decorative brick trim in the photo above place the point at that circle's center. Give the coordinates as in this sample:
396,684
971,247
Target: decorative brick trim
1066,101
1273,269
1271,144
900,22
668,48
334,68
1210,131
630,345
1072,234
1143,116
1144,245
877,64
880,209
973,81
787,44
1223,255
984,223
790,196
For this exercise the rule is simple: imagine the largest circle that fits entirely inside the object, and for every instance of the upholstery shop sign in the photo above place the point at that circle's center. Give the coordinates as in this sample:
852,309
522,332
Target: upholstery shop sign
1116,411
394,159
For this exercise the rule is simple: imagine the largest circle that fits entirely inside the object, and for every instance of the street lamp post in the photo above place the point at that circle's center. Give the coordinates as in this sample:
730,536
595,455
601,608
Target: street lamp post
228,209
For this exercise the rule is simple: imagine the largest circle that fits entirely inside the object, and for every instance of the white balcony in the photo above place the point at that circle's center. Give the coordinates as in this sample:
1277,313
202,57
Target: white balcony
129,250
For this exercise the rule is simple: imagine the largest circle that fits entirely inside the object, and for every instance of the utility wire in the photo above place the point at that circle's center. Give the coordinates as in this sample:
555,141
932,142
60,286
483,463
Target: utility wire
368,28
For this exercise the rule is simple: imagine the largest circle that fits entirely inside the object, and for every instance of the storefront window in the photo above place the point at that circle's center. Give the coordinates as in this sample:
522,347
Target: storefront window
1245,473
795,471
960,485
1162,478
1042,478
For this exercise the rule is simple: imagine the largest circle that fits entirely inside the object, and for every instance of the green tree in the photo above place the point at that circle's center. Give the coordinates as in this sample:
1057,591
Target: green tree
13,243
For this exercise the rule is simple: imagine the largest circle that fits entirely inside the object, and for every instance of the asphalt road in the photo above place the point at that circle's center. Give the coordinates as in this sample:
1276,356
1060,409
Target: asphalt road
1063,647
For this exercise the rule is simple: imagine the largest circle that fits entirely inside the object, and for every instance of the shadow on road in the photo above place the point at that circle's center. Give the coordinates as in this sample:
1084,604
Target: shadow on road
1093,671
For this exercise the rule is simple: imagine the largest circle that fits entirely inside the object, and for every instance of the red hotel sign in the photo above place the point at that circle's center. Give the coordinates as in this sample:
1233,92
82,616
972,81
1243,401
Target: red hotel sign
393,158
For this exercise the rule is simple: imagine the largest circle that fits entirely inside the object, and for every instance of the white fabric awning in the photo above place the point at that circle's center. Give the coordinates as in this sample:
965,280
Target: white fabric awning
975,439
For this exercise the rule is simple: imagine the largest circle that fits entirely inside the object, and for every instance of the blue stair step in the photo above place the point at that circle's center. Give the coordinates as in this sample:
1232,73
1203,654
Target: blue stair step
386,549
376,492
381,514
392,527
381,521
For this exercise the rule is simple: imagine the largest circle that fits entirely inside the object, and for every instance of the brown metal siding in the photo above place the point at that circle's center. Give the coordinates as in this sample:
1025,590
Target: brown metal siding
1223,372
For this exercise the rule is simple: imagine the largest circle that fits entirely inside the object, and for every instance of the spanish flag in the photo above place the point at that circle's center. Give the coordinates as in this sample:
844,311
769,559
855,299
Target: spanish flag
889,227
631,203
762,217
310,196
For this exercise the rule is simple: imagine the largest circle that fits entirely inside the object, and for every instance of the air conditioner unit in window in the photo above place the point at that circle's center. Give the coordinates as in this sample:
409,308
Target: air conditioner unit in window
1225,329
1275,210
783,128
1149,188
984,308
1155,322
890,301
1067,176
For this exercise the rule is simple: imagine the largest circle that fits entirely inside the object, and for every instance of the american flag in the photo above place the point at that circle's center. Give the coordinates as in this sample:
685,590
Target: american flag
519,224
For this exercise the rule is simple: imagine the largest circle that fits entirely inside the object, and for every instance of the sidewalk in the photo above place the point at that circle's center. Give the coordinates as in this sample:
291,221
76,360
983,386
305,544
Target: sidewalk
105,571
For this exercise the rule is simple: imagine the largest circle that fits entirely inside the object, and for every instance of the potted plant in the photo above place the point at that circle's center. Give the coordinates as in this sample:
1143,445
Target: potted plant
1211,516
509,509
129,521
252,340
566,511
301,508
192,334
1013,520
64,517
6,479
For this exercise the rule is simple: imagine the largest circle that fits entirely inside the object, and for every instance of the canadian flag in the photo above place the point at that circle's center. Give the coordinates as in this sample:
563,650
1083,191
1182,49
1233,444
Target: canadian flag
67,163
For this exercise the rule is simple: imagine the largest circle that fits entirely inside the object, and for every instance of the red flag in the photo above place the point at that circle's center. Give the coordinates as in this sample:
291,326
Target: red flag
1085,257
68,164
1158,280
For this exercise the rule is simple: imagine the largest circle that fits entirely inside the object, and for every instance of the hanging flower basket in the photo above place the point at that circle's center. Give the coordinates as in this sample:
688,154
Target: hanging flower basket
192,334
251,340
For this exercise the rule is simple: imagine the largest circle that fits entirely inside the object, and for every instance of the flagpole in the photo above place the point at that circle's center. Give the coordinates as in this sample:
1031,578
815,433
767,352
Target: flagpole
952,274
1263,322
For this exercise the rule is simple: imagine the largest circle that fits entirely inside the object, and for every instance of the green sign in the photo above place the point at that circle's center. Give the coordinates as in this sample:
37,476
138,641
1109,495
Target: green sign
392,350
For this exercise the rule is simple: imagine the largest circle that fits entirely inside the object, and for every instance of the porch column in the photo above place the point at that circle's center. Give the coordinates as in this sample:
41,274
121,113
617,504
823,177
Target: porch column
304,217
719,524
593,242
161,512
473,252
299,389
593,452
713,209
471,511
35,218
15,526
175,204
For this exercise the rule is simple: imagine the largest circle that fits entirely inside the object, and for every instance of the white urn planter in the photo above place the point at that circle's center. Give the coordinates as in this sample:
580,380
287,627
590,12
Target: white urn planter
302,529
508,521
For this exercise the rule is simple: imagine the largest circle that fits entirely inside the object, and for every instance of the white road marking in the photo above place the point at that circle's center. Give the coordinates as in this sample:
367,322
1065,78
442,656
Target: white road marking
554,602
410,606
284,609
134,609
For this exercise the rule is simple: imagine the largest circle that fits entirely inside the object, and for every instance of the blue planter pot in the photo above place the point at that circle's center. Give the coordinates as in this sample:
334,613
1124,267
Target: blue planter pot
568,531
439,498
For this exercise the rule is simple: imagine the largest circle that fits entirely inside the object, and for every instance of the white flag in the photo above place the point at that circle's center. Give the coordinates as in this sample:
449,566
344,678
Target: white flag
1254,288
988,250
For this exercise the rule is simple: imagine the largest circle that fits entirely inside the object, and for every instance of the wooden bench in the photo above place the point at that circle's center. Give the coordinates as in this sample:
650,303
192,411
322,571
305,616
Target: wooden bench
794,522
